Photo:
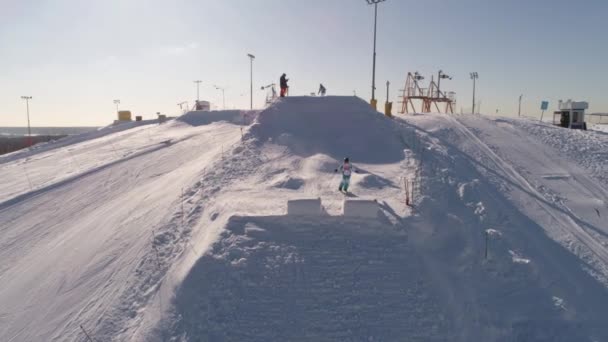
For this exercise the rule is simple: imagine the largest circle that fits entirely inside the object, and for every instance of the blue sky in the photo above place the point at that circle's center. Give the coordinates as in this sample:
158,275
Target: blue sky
74,57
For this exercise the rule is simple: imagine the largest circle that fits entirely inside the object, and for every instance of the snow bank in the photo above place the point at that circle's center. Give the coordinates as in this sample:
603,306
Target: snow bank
360,208
588,148
200,118
599,127
307,207
338,126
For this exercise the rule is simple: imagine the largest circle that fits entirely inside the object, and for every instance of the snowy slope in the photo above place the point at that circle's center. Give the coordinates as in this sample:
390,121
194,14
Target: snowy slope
178,232
546,275
76,250
274,278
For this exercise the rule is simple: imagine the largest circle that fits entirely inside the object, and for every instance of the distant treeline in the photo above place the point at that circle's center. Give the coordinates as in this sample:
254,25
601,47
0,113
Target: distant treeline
9,144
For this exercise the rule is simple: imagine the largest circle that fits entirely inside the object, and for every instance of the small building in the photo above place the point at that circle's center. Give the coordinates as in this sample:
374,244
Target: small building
571,114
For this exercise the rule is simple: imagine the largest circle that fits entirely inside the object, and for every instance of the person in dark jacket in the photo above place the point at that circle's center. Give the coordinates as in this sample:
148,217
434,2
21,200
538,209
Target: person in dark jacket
322,90
284,86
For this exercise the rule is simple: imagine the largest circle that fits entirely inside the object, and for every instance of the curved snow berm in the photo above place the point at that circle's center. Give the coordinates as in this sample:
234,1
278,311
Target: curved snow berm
200,118
338,126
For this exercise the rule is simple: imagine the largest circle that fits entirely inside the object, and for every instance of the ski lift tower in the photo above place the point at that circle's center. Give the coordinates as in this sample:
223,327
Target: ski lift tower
436,96
272,94
412,92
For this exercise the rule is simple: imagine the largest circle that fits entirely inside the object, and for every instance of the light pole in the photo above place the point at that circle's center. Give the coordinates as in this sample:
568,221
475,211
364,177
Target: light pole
198,84
29,131
519,110
251,58
439,77
223,98
375,3
474,76
387,85
116,102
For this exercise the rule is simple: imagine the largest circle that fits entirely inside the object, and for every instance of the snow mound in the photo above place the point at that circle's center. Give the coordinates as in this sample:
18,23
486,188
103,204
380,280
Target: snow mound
307,207
361,208
282,279
338,126
375,182
200,118
291,183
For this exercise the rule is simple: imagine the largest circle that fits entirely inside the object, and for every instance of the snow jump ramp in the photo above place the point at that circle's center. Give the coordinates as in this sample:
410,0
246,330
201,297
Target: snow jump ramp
360,208
304,207
281,278
351,208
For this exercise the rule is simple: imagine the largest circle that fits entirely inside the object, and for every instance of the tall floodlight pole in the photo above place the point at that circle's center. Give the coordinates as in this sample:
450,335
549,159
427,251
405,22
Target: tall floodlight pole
251,58
474,76
27,106
519,110
439,77
198,84
375,3
116,102
223,97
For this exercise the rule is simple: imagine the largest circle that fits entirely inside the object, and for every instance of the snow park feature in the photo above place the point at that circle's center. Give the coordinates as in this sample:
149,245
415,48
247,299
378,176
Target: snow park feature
178,232
361,208
304,207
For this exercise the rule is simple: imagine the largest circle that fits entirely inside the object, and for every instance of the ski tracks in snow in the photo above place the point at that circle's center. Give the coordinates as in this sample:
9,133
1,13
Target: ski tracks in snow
564,218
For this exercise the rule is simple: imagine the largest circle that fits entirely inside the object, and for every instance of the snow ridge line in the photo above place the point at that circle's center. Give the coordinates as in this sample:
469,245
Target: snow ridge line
28,195
584,237
172,239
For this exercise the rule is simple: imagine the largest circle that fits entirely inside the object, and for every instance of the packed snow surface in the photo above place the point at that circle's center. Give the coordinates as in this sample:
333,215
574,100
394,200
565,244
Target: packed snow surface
179,232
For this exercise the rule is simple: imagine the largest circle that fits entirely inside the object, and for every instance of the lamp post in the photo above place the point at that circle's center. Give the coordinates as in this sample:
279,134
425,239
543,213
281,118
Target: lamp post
439,77
375,3
116,102
251,58
29,131
474,76
519,110
223,97
198,84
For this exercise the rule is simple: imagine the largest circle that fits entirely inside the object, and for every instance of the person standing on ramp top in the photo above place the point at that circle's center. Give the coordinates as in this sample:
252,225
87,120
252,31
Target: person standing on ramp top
322,90
284,86
346,168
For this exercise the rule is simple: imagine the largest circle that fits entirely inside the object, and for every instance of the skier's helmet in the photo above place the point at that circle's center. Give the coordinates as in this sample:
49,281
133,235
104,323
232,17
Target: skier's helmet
346,160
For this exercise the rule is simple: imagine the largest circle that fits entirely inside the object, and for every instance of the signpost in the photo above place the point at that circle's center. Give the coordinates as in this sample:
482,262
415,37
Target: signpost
543,106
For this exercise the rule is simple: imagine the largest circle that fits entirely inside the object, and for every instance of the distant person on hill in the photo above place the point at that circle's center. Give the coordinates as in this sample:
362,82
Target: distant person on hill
346,168
322,90
284,86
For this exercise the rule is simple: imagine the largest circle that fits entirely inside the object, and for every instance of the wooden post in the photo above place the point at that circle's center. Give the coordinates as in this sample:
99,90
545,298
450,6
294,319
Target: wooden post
486,254
407,191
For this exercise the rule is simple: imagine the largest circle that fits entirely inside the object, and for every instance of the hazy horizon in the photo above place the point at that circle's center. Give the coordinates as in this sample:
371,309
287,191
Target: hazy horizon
75,58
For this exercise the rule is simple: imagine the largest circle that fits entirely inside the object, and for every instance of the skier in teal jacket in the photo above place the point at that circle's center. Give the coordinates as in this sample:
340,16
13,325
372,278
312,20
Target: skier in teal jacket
347,169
